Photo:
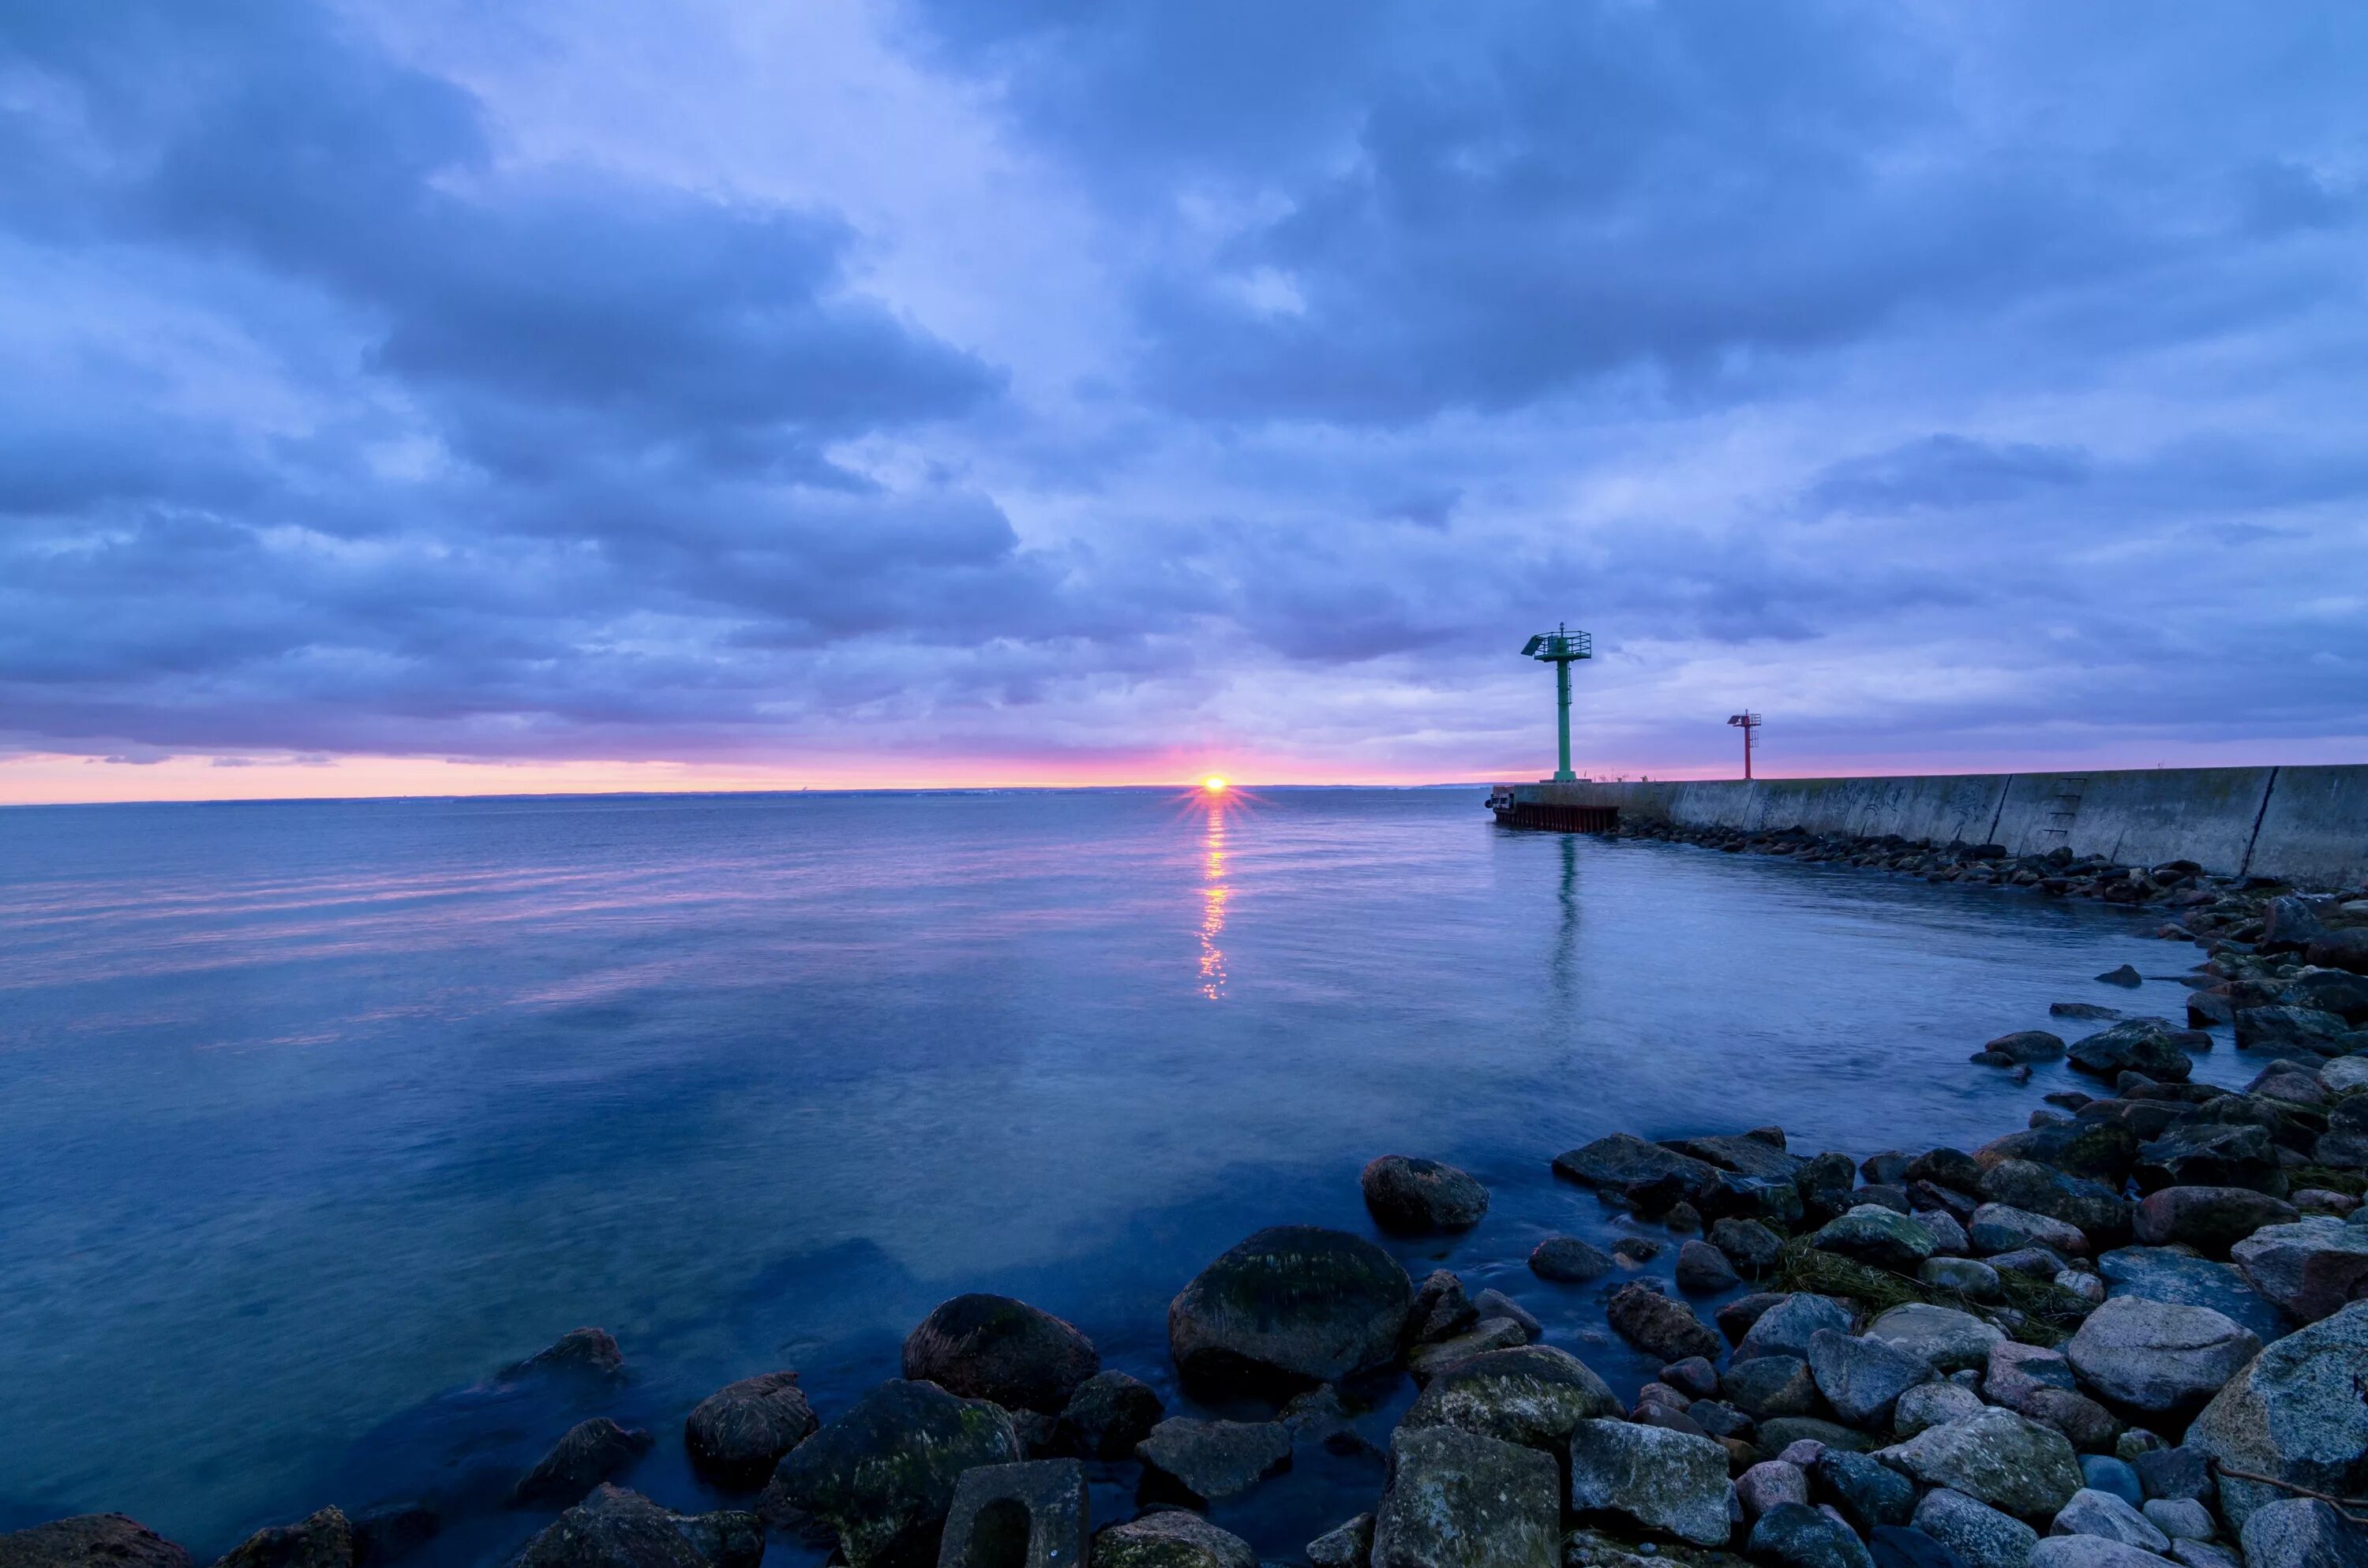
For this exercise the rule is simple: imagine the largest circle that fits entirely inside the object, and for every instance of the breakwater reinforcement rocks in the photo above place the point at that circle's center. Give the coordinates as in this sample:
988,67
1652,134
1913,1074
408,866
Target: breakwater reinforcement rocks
2297,825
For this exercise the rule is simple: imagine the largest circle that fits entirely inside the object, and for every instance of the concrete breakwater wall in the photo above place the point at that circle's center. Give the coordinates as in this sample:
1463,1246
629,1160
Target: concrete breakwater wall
2302,825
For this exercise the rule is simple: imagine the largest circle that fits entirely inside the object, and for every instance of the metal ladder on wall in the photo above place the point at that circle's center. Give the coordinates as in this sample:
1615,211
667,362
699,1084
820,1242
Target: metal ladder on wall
2060,814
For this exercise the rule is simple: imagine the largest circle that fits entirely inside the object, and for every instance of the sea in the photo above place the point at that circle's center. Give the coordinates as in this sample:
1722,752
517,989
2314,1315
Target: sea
315,1115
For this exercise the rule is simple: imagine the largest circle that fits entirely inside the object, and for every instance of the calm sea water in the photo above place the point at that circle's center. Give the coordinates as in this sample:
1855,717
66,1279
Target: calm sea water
314,1115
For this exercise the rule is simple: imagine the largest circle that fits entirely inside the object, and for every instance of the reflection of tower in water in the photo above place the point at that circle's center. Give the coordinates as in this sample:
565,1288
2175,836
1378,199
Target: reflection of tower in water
1212,907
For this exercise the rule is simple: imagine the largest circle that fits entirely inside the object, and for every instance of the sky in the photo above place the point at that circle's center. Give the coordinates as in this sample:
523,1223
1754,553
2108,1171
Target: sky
424,396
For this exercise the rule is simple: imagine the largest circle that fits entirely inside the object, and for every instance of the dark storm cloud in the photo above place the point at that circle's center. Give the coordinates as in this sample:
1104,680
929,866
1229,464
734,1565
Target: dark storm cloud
365,392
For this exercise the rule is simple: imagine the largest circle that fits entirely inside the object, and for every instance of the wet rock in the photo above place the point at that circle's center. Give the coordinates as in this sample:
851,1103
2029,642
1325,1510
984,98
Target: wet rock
2027,1045
1695,1377
1210,1460
1343,1546
1825,1185
1416,1197
1026,1516
1999,1227
1456,1500
2303,1532
1106,1416
2341,950
1292,1303
591,1452
1786,1327
1653,1323
2330,991
1533,1396
1944,1336
2298,1031
1868,1493
1932,1405
1794,1536
2091,1207
1770,1483
1494,1303
983,1346
727,1538
1745,1156
1702,1269
1862,1378
2178,1277
2156,1357
1752,1249
882,1475
1568,1259
2007,1460
580,1352
2309,1268
1426,1361
2209,1219
2091,1010
2105,1473
737,1435
2211,1153
2295,1414
1944,1166
90,1540
1440,1309
2136,1045
1736,1317
1660,1480
1980,1535
2126,976
2179,1519
324,1540
1621,1161
1967,1277
1171,1540
616,1528
2017,1372
1876,1236
1769,1386
1635,1251
2103,1514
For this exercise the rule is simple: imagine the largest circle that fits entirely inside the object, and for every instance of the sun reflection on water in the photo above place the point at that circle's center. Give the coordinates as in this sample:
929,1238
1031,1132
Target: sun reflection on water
1214,892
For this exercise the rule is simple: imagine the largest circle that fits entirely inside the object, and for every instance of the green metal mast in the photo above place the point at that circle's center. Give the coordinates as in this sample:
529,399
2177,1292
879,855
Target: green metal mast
1560,648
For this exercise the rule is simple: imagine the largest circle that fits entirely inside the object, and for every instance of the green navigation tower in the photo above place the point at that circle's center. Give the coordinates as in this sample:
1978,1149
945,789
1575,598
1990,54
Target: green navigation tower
1559,648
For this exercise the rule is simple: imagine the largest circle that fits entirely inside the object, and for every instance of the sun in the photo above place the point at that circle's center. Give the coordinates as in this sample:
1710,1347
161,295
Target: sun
1213,785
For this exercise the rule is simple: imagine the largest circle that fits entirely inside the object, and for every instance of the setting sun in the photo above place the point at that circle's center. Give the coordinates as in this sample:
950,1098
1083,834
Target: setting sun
1213,785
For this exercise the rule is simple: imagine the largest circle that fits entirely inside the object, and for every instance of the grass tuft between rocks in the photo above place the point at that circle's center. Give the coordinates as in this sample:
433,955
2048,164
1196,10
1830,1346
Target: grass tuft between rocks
2047,1313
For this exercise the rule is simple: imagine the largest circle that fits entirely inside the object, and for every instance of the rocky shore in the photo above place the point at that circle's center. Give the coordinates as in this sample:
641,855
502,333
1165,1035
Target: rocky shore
2132,1333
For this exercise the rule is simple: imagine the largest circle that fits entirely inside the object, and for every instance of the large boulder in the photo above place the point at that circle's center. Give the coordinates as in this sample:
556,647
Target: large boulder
2295,1414
1210,1460
1619,1161
1532,1395
1651,1476
983,1346
2136,1045
1292,1304
2209,1219
2094,1149
588,1354
1569,1261
2212,1154
737,1435
1794,1535
2304,1532
2156,1358
1980,1535
2341,950
616,1528
91,1541
2097,1210
1750,1247
1106,1416
591,1452
2009,1462
326,1539
2001,1227
1745,1153
1459,1500
1878,1236
2304,1032
1171,1540
1416,1196
2027,1045
1862,1378
2179,1276
1653,1323
1786,1328
1949,1339
2310,1268
882,1475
